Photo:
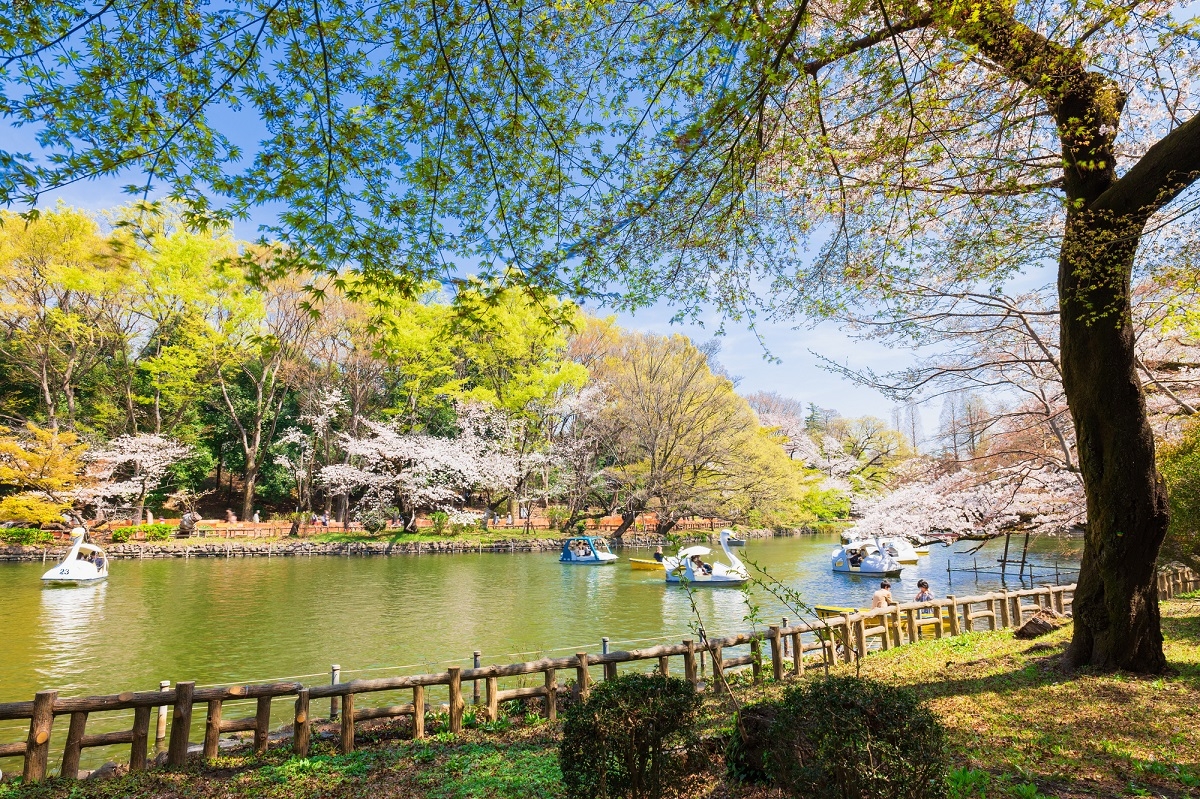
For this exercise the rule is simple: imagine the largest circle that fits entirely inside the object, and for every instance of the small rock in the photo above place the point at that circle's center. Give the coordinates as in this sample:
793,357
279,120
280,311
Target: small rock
108,771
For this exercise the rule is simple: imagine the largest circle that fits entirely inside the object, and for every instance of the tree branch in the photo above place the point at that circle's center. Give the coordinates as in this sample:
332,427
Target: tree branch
1167,168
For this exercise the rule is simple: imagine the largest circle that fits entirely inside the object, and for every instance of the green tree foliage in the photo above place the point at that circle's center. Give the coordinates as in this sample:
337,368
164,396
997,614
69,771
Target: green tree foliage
1179,463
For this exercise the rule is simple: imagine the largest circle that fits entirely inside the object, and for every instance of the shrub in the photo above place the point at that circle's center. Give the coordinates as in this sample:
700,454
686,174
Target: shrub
851,738
557,516
152,532
630,738
439,518
745,756
25,536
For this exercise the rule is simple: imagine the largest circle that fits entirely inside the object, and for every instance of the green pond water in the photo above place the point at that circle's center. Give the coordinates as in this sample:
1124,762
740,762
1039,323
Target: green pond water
221,621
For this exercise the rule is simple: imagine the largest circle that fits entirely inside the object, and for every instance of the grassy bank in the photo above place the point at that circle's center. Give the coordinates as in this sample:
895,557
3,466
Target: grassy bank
1018,727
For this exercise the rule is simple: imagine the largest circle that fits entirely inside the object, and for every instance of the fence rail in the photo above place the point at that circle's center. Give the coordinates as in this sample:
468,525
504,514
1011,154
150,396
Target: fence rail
846,637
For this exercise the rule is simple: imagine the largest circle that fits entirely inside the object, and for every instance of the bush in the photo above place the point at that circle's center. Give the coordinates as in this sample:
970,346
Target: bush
557,516
25,536
630,738
31,509
848,738
439,518
153,532
745,756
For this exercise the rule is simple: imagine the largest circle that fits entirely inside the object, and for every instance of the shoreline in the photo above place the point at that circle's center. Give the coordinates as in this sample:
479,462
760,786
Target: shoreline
299,547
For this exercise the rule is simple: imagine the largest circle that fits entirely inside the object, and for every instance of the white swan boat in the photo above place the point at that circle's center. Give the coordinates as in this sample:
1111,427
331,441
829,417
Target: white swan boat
866,558
84,563
899,548
586,550
688,565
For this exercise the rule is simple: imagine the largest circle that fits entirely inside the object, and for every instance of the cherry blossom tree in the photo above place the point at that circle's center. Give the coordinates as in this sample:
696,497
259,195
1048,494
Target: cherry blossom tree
131,467
418,471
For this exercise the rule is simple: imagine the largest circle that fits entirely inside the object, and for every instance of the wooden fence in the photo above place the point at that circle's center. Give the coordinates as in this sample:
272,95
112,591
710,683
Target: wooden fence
815,644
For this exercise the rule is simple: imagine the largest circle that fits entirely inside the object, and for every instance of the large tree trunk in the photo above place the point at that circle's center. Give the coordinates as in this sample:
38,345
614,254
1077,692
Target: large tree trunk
1116,603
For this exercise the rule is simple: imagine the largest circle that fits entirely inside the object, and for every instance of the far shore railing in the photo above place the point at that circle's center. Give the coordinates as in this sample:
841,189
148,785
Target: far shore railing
840,638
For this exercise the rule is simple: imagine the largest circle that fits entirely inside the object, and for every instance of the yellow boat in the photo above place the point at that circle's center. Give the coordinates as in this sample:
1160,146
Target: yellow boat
645,565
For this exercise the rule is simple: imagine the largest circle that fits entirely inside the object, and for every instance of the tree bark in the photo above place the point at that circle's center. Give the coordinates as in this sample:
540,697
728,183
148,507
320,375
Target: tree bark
1116,603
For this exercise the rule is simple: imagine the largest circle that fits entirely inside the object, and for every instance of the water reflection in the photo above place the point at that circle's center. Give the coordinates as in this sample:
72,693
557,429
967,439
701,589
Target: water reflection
72,619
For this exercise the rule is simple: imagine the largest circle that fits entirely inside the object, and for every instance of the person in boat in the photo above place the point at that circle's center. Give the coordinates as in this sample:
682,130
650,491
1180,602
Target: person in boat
924,595
699,566
883,597
658,554
856,557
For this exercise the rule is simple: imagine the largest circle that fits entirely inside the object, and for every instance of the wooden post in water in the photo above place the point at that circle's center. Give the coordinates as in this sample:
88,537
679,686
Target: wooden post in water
776,653
551,695
141,739
335,676
1004,559
1024,556
456,700
262,724
181,723
418,712
301,728
347,738
74,746
160,732
212,729
689,662
37,745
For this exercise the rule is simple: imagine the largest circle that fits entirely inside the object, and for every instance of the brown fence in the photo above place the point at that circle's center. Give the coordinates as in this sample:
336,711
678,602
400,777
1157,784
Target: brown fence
844,638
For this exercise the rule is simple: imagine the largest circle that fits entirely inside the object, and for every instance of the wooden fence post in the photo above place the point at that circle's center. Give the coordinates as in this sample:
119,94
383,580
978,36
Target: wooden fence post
581,675
418,712
756,658
664,666
301,727
798,655
991,606
847,649
347,724
493,699
910,617
37,745
212,729
954,628
610,671
776,653
551,695
689,662
262,724
74,746
860,639
1005,621
141,739
718,667
181,723
456,699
